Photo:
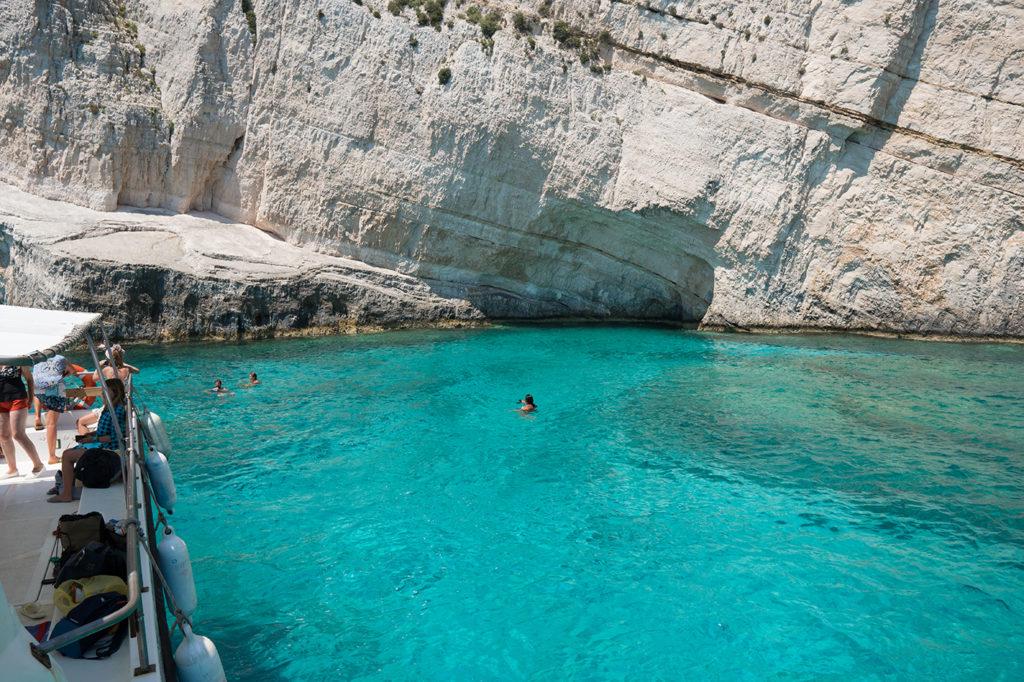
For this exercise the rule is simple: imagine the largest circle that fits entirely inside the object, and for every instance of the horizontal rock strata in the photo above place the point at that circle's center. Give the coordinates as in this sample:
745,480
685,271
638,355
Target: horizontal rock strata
159,276
783,164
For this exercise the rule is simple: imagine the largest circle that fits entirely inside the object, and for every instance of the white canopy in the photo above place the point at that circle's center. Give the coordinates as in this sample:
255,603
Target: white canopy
30,335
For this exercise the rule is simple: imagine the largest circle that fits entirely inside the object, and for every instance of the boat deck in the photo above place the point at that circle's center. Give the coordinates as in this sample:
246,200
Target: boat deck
27,521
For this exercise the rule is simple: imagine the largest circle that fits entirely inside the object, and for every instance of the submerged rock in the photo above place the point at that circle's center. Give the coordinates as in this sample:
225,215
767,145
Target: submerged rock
830,166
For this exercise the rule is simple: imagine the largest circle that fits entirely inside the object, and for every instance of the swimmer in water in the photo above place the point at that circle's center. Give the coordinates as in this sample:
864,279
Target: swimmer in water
253,381
218,388
527,404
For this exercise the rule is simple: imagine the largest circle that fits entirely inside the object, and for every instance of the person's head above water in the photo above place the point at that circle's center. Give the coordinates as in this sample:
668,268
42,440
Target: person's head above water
528,399
528,404
252,377
218,384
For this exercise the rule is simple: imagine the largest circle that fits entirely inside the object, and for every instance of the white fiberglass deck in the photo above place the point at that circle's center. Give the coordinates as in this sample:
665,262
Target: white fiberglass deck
27,522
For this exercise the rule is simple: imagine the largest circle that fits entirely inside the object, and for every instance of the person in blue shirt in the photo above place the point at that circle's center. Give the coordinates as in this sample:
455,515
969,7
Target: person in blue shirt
105,436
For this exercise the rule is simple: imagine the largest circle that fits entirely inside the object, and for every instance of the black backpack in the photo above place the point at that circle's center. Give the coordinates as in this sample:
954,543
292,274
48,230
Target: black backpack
97,468
93,608
75,531
95,558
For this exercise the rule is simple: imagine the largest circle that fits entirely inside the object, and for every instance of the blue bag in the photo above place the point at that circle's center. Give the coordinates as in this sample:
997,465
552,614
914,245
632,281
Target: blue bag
107,641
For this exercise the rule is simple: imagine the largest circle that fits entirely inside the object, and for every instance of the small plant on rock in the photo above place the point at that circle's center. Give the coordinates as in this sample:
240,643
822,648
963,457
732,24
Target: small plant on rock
564,36
521,23
250,17
444,75
490,24
431,13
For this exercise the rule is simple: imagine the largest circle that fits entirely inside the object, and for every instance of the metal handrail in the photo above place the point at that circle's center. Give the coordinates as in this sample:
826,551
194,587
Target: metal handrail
42,649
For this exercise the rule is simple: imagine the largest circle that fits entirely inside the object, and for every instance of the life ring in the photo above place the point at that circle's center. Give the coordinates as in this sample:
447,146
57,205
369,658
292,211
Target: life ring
87,381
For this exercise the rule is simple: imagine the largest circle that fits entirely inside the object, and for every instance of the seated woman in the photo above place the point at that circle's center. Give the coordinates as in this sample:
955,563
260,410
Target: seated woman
104,437
119,370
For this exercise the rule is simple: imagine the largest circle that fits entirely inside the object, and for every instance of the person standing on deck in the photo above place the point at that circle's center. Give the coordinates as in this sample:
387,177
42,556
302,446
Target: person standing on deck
14,402
50,393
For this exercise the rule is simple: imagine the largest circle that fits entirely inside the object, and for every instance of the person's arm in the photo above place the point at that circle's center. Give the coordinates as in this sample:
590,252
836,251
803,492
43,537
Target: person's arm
103,428
132,369
30,382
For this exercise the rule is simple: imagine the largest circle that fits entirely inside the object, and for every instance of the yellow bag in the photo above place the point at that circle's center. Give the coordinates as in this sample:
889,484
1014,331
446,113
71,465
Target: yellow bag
71,593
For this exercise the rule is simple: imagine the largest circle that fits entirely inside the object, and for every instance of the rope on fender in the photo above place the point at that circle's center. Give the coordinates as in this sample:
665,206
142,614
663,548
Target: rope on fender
178,614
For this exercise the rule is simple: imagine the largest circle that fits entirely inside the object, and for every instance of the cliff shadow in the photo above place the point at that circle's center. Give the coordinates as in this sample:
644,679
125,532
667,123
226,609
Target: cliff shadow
906,72
570,260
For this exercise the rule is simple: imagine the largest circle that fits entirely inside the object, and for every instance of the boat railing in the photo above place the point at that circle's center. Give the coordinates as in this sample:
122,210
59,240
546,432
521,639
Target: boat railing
130,449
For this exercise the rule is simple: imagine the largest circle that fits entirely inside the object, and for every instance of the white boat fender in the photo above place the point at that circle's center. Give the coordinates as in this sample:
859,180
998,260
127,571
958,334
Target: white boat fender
197,659
161,479
155,431
172,555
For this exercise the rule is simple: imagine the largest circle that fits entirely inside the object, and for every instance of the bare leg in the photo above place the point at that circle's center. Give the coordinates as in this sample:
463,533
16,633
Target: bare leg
18,419
51,435
39,413
67,472
7,442
85,422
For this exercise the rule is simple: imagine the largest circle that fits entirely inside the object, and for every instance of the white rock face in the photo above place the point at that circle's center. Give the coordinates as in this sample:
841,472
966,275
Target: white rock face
781,164
158,275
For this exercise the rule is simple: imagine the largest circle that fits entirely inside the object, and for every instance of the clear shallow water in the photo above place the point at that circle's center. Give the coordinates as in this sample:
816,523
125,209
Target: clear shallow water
682,506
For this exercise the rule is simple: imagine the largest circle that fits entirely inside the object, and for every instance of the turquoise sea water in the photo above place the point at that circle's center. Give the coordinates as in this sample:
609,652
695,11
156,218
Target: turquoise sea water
682,506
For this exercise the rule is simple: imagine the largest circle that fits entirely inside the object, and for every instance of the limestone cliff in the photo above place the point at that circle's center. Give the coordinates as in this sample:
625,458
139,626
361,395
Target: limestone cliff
790,163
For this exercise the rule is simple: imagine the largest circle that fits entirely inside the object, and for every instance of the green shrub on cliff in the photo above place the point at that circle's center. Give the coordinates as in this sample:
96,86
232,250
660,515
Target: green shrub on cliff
490,24
521,23
431,13
250,17
444,75
563,35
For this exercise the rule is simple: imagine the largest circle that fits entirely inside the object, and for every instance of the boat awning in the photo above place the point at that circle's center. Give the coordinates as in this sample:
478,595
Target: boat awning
30,335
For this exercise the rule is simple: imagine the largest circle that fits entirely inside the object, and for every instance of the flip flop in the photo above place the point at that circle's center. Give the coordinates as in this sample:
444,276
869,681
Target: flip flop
57,500
34,611
39,427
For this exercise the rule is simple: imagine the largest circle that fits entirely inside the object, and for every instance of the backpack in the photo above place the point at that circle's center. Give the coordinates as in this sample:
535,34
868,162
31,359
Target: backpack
98,467
95,558
49,373
105,641
75,531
